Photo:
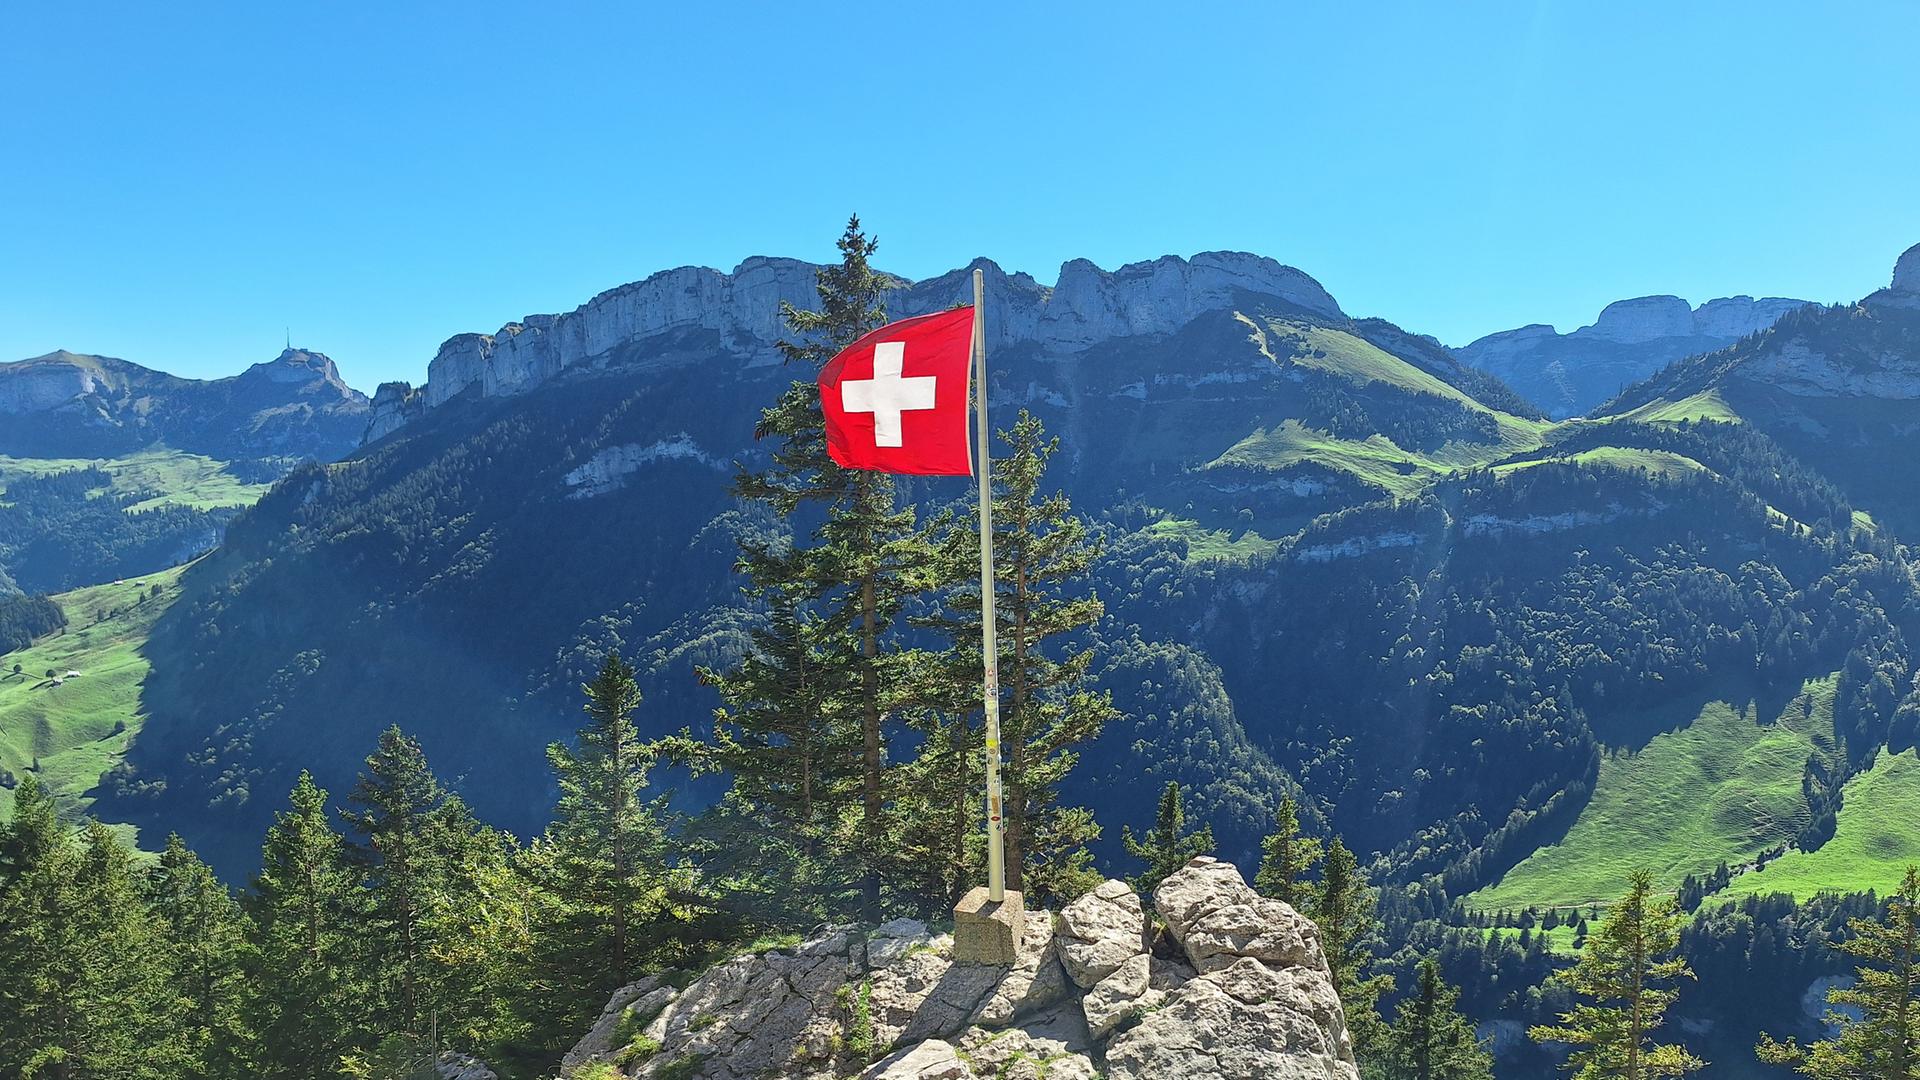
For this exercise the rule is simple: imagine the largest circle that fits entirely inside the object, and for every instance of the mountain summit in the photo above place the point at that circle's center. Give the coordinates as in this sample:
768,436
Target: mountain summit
72,405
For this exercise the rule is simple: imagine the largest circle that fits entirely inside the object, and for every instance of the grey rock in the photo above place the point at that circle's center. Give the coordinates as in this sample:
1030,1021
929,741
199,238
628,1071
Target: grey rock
930,1060
1128,989
1035,981
1100,931
1244,1022
1906,271
452,1066
644,1000
1217,919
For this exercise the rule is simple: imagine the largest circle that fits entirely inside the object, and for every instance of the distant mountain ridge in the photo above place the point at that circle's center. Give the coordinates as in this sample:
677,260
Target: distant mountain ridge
71,405
739,314
1570,374
1838,386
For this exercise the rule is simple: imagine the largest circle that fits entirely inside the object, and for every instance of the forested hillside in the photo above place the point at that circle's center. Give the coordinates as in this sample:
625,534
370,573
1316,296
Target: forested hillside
1321,577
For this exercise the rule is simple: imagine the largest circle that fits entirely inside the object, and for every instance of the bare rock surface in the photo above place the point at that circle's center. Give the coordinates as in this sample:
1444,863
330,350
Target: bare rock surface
1247,997
1100,931
1247,1020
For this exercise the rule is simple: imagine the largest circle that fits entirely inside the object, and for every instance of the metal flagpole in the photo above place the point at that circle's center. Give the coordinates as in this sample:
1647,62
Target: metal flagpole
989,651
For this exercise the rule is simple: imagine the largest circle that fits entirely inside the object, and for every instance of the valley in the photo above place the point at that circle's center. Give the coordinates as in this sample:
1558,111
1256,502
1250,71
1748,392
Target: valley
1509,659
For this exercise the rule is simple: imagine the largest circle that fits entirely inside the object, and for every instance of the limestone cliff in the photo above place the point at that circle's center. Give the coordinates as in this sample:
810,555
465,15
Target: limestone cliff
1228,986
691,314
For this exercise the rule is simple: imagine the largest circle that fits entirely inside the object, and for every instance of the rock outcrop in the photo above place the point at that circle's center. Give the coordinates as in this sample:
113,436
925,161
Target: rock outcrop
1570,374
1904,292
1234,986
687,315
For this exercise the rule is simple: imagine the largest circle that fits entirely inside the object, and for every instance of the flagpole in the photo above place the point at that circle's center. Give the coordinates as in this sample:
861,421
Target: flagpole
989,651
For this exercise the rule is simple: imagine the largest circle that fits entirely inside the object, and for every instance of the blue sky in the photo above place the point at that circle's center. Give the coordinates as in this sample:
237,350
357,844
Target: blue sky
180,182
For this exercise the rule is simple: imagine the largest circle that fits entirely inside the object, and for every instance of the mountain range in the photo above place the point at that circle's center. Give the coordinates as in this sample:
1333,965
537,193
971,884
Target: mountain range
66,405
1491,649
1571,374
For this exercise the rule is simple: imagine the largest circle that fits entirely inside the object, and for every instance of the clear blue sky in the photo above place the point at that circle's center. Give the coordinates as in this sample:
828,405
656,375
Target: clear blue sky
179,182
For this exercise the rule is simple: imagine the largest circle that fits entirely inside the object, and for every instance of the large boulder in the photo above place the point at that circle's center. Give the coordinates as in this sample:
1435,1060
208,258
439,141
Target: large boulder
1100,931
1217,919
1244,1022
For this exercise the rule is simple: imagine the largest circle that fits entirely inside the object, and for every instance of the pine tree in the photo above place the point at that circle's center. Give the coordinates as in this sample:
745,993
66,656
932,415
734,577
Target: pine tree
865,559
306,908
1429,1038
84,993
1168,845
1286,858
1040,550
1879,1036
205,935
399,855
607,855
793,752
1626,972
1343,909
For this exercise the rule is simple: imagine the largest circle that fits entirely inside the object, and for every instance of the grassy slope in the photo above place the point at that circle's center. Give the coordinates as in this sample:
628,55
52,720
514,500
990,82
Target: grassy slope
1656,462
172,477
1212,545
1724,788
1376,460
1873,844
1706,405
69,728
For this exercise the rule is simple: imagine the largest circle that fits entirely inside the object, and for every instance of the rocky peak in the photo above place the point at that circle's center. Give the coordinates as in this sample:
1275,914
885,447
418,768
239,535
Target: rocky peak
298,366
1643,318
1906,271
47,382
1235,987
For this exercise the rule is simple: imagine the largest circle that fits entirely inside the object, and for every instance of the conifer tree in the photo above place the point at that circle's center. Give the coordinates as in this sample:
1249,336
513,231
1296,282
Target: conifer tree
864,557
1286,858
204,933
84,990
1429,1038
1878,1017
1626,973
306,909
1041,549
607,853
1343,909
400,807
1169,845
793,751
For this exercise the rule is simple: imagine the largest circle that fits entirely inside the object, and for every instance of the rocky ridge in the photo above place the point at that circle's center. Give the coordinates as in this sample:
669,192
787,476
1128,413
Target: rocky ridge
67,404
1233,985
683,316
1569,374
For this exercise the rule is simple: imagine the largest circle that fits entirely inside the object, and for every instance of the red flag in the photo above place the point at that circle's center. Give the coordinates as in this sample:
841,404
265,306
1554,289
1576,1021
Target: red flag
896,400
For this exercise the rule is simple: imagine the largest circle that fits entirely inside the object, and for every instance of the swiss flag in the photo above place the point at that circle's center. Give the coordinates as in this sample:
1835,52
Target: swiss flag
896,400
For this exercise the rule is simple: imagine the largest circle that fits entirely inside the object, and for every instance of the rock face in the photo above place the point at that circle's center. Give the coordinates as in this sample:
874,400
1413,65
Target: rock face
684,316
1570,374
1088,996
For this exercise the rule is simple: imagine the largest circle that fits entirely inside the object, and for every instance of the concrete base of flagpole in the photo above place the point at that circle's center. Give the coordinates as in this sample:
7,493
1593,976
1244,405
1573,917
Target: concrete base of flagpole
985,932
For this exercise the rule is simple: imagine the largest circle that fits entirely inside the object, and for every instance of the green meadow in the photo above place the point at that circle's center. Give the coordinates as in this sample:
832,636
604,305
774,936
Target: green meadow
1724,788
70,734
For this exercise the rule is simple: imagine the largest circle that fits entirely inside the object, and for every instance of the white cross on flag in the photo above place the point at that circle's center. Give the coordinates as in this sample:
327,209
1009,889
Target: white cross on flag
896,400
